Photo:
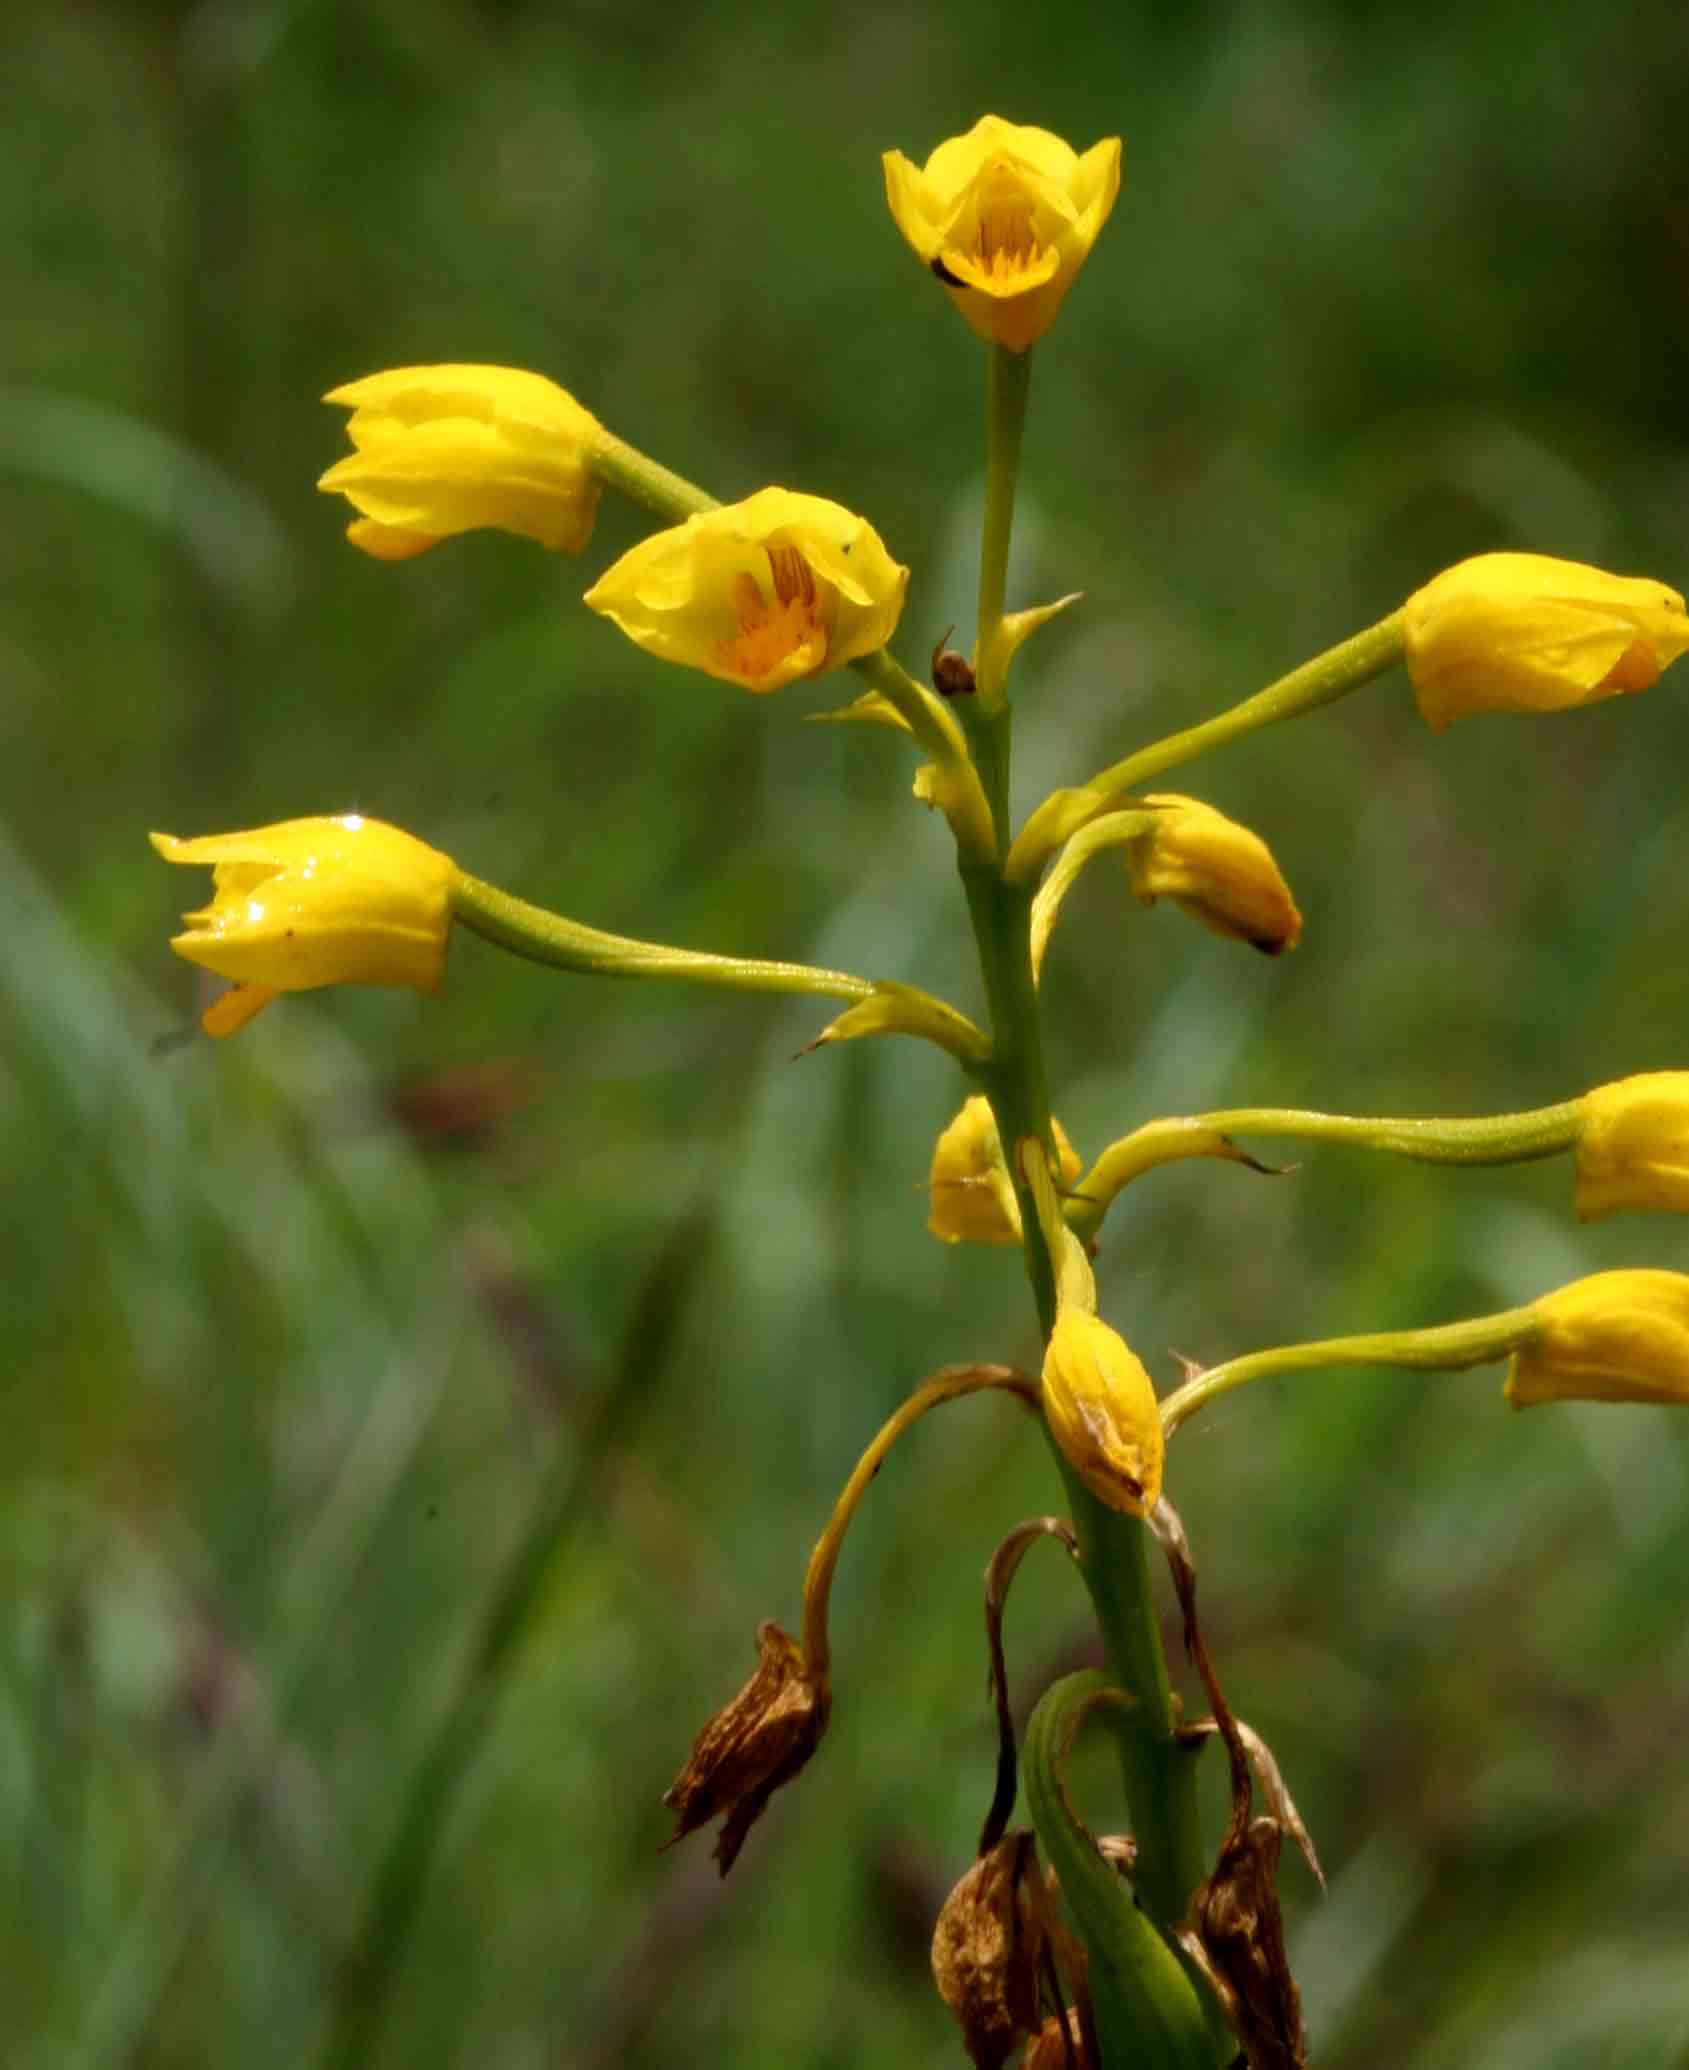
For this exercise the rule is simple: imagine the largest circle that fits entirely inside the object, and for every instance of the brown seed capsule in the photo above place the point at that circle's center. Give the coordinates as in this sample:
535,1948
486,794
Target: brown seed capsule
986,1951
750,1747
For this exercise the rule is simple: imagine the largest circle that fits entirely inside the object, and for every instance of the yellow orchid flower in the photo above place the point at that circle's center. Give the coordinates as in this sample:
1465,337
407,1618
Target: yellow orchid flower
1614,1337
1218,871
310,902
1005,217
1634,1149
450,449
1520,632
758,593
973,1197
1102,1412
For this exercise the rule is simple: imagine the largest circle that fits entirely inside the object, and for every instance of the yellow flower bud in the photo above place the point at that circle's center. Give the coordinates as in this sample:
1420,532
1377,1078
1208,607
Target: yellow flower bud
973,1196
758,593
453,449
1218,871
310,902
1614,1337
1102,1412
1634,1149
1519,632
1005,217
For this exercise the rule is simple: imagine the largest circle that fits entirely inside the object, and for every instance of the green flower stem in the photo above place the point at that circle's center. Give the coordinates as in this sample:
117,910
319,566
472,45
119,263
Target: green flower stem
621,466
1327,677
546,937
1147,2009
1482,1139
1159,1777
1008,376
1449,1349
957,789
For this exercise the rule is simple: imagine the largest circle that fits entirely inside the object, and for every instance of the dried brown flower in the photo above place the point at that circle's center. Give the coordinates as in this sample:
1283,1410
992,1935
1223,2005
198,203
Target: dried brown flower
987,1948
751,1746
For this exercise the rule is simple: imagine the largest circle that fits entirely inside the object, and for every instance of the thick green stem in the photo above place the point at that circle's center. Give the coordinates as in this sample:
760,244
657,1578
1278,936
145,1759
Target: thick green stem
1146,2005
1157,1773
1007,378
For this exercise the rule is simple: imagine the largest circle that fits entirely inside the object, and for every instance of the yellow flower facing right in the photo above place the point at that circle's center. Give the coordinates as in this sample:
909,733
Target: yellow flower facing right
309,902
760,593
1215,870
1633,1151
1521,632
1005,217
1613,1337
448,449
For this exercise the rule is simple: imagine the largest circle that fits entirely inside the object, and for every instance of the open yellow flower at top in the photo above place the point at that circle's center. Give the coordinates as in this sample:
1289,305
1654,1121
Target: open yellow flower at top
1005,217
450,449
308,902
758,593
1521,632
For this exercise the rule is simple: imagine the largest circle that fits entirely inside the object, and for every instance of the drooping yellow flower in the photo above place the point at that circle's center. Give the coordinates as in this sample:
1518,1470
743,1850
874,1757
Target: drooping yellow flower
450,449
310,902
1614,1337
1520,632
1218,871
973,1196
1005,217
1102,1412
1634,1149
758,593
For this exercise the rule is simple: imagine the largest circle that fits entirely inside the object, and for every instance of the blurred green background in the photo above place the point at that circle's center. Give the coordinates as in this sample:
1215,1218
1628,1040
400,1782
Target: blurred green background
298,1328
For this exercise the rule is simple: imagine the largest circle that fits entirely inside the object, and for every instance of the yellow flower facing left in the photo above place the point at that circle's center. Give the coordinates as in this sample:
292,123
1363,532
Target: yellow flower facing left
1217,871
1522,632
1614,1337
450,449
308,902
759,593
1100,1405
1005,217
